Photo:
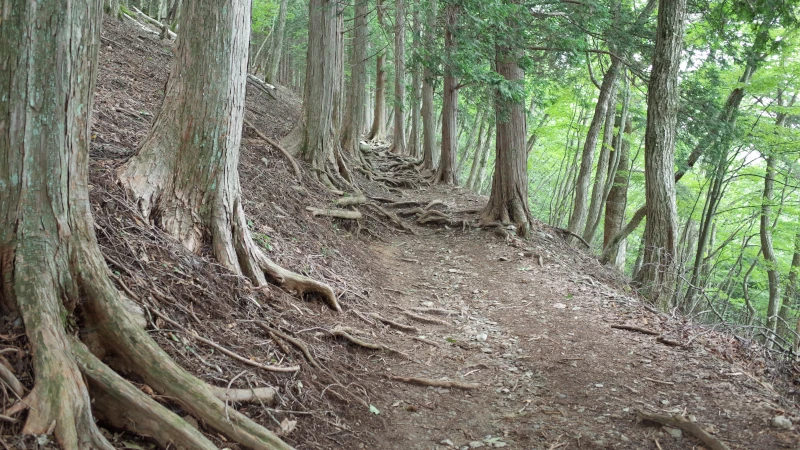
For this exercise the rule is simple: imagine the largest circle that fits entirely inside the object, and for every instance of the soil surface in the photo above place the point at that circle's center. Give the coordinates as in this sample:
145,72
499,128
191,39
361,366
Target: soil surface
518,335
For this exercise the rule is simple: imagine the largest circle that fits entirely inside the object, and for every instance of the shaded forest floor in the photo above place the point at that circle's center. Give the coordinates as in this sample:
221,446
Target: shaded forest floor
525,326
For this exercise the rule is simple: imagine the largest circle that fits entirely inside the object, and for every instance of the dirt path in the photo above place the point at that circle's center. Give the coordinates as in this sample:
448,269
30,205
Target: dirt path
536,334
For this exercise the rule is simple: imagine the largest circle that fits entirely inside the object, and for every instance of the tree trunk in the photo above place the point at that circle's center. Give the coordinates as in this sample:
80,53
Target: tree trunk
414,144
790,294
476,156
356,100
399,140
477,125
618,199
577,220
378,131
275,52
508,202
656,276
184,177
446,173
50,262
477,181
599,187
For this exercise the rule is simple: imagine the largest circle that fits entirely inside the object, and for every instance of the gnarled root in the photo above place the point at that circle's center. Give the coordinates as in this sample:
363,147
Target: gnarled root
123,406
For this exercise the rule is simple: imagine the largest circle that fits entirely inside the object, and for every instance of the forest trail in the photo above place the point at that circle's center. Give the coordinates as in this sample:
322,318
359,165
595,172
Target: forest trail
533,327
529,323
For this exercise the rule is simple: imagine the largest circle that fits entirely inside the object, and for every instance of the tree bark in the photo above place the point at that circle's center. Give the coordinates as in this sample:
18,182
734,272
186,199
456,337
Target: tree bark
50,262
618,199
655,278
184,177
378,131
599,187
276,50
477,180
508,202
356,100
399,139
446,173
414,144
577,220
476,155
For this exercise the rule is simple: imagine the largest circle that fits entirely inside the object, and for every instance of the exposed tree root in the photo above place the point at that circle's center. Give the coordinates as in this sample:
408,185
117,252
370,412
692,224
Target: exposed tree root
435,383
351,200
297,172
222,349
296,342
124,406
262,395
392,217
393,324
440,311
347,333
426,341
424,319
337,213
7,377
637,329
678,421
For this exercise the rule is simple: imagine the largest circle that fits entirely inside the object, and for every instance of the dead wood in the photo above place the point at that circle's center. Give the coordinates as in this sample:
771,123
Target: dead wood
393,324
669,342
294,341
154,22
337,213
435,383
262,86
678,421
297,172
564,231
264,395
636,329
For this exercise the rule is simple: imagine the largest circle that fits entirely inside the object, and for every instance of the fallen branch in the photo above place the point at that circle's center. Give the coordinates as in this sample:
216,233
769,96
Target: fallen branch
393,324
264,87
678,421
286,154
636,329
296,342
435,383
265,394
570,233
154,22
338,213
669,342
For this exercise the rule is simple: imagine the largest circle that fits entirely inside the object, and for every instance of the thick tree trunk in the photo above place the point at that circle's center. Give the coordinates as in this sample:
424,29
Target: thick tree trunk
276,50
508,202
617,200
577,220
656,276
356,100
184,177
399,139
446,173
50,263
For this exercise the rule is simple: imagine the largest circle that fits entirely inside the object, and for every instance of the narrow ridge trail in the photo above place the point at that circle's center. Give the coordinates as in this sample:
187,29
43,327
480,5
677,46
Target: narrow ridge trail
530,322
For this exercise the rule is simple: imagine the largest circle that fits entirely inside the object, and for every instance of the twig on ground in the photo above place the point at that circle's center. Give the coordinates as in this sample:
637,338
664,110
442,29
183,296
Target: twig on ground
425,341
435,383
668,383
424,319
684,424
286,154
637,329
440,311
